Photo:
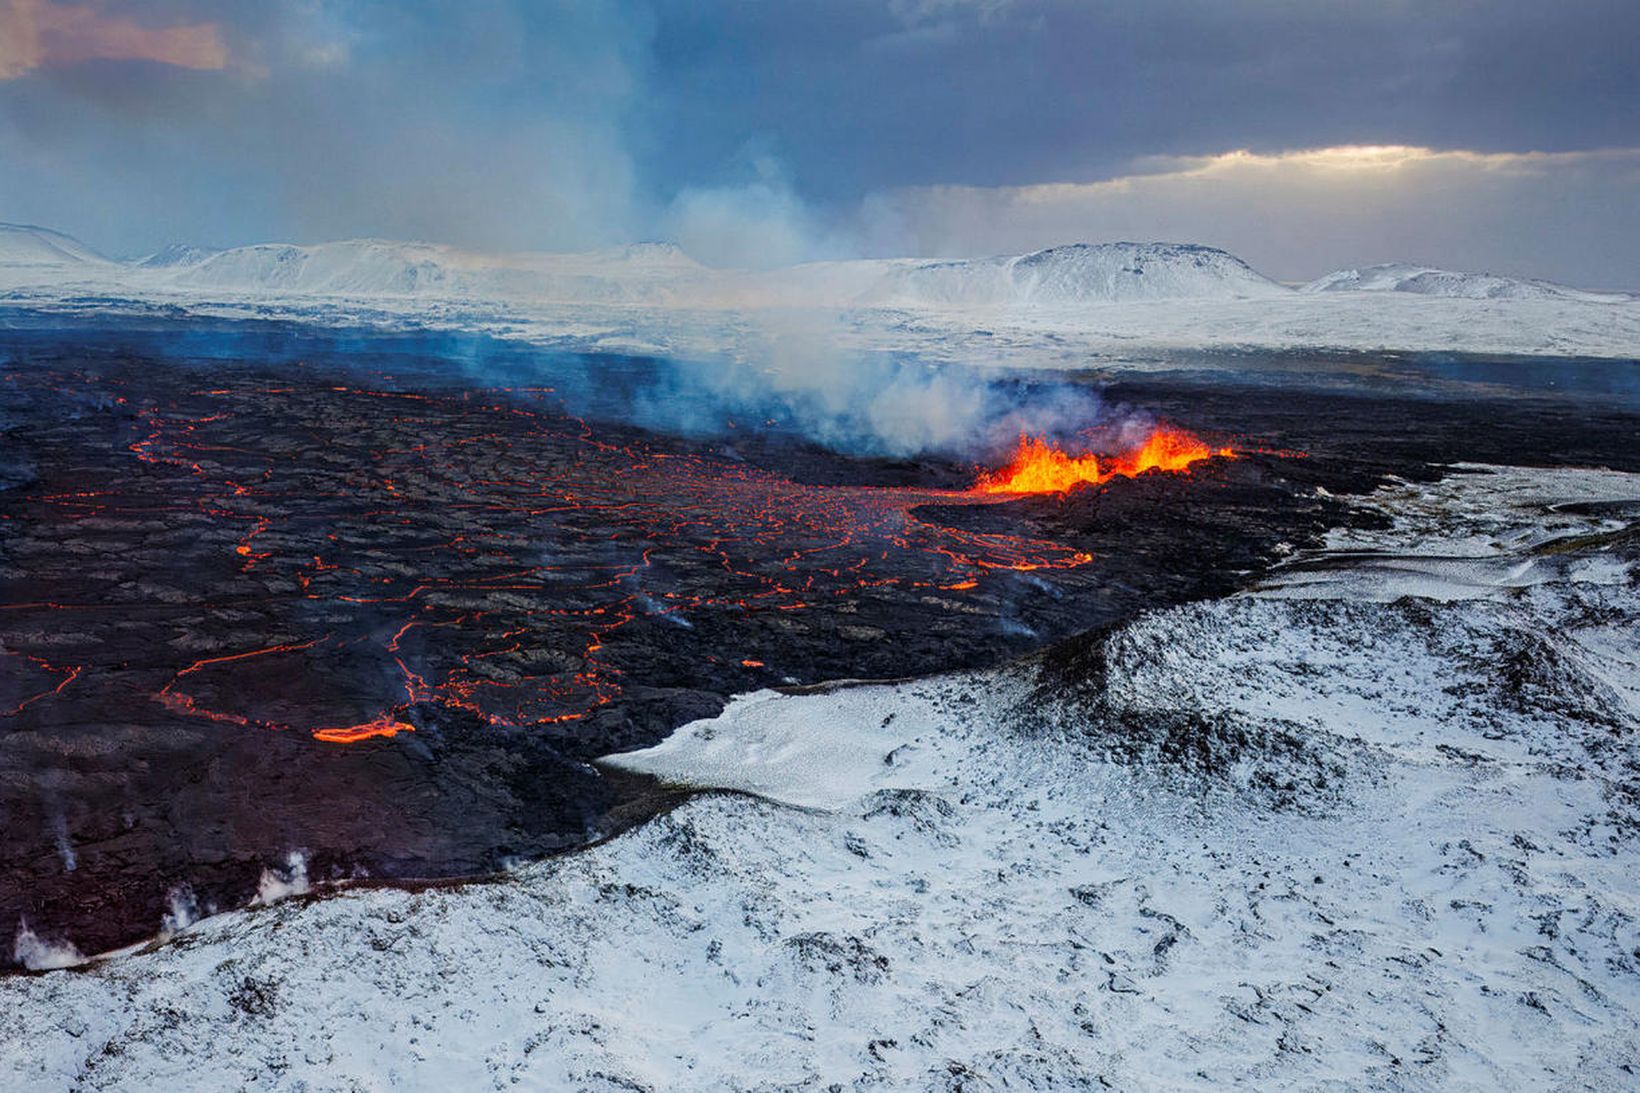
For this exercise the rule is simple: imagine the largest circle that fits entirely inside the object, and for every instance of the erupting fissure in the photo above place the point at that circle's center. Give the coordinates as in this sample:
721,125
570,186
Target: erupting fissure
1040,467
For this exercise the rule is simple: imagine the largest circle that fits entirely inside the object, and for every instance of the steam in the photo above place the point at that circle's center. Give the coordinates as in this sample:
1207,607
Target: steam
65,849
181,910
38,955
798,376
762,224
277,884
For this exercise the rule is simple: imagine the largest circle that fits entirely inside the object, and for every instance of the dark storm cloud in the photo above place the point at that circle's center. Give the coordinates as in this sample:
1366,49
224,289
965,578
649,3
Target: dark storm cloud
861,96
764,132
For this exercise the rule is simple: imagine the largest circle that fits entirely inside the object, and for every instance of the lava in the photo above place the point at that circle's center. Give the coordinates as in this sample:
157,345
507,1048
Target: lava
485,551
385,725
1040,467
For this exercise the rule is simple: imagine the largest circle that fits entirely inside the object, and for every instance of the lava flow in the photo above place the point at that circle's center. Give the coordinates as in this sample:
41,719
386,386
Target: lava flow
325,558
1040,467
291,609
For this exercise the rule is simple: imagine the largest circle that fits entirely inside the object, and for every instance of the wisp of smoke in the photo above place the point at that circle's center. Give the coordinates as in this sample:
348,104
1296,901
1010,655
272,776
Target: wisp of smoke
37,954
796,375
277,884
805,380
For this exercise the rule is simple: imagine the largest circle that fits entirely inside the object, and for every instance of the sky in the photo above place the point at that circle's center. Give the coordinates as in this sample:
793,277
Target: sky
1304,136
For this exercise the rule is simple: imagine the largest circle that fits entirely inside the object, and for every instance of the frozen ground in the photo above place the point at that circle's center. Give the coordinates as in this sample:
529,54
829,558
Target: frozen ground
1301,838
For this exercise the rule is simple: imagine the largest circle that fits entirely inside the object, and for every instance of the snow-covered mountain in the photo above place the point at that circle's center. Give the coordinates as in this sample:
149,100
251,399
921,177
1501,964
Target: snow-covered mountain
1428,281
176,255
24,245
1039,309
375,267
1079,273
367,267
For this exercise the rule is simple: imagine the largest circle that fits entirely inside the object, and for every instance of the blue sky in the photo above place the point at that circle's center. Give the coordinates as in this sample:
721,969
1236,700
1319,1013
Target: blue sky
1498,134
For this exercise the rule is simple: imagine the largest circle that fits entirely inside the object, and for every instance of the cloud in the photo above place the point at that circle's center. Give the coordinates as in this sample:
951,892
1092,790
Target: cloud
897,126
41,34
865,95
1297,214
497,125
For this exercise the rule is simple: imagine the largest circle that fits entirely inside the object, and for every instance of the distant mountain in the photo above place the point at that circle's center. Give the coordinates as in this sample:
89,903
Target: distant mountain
374,267
26,245
355,267
1054,283
176,255
1079,273
1428,281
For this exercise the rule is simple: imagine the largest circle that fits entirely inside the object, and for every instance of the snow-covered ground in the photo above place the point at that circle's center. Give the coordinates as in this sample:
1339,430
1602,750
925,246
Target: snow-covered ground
1297,838
1060,306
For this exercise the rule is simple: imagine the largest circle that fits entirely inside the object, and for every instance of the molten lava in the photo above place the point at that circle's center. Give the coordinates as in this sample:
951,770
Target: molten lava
1040,467
1167,449
385,725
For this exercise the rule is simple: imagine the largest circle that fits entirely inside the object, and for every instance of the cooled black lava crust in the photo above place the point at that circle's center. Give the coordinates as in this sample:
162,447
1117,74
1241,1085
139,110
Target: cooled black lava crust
385,618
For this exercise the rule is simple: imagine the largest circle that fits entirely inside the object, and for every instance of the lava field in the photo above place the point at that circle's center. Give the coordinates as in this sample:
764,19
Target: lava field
386,624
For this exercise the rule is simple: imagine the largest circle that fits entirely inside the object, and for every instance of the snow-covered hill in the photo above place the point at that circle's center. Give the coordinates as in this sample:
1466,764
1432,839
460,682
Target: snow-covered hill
356,267
1080,273
1427,281
1077,274
176,255
1294,840
373,267
1057,307
26,246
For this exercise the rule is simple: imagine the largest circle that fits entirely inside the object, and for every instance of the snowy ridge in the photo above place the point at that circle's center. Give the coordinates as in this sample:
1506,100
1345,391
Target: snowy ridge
176,255
28,246
1290,843
364,267
1052,308
1427,281
1080,273
373,267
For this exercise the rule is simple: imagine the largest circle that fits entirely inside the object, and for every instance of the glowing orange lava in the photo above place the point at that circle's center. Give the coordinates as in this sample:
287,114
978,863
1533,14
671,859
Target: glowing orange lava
1040,467
1167,449
385,725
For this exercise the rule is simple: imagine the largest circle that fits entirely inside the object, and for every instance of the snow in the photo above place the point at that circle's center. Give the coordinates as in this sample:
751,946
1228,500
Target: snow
1428,281
1062,307
23,245
372,268
1309,842
1482,532
1081,273
177,254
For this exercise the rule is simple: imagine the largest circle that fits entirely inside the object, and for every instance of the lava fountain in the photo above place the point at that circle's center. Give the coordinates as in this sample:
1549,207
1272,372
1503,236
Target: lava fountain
1040,467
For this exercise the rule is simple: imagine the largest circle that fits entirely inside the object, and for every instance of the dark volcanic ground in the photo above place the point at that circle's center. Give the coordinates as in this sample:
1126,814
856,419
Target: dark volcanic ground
348,606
